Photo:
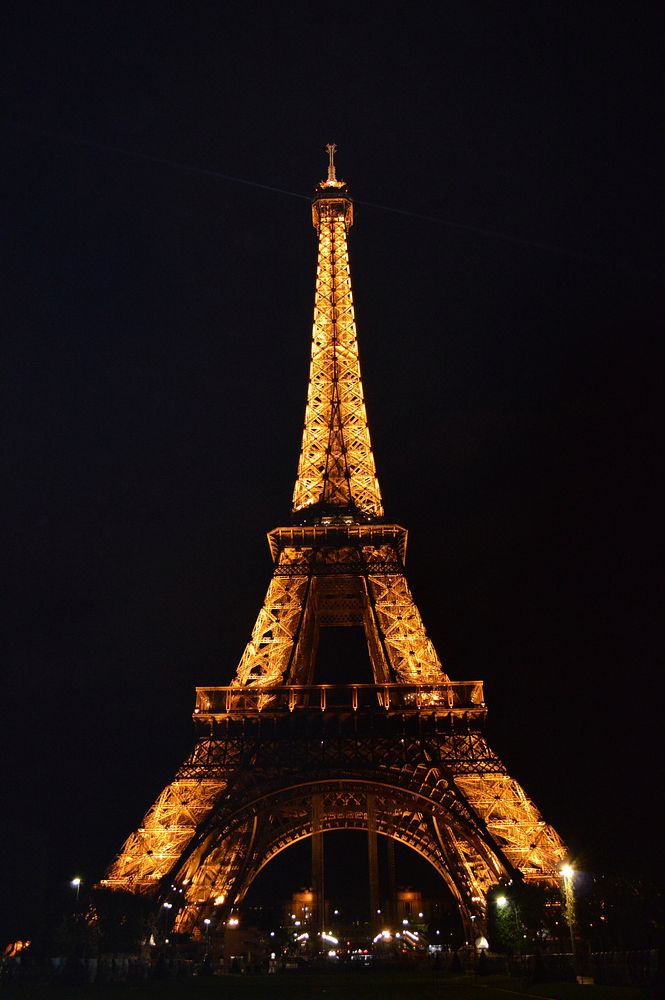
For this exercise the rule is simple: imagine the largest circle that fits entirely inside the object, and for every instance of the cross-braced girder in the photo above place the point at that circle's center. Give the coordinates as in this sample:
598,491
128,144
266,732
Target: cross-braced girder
355,579
149,854
440,791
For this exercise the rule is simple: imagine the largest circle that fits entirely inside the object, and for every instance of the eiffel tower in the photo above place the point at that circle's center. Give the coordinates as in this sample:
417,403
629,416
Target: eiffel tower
279,758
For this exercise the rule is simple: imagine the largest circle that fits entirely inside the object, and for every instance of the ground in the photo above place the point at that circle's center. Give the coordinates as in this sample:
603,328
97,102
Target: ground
390,985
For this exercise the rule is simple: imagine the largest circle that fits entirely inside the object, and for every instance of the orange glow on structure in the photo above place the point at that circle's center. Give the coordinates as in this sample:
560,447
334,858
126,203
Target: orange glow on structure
447,795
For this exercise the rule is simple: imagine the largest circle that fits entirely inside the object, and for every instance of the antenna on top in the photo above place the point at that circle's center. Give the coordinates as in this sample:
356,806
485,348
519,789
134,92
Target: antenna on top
332,181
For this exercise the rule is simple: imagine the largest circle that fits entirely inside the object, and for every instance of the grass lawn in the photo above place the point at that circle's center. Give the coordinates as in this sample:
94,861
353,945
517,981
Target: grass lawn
365,984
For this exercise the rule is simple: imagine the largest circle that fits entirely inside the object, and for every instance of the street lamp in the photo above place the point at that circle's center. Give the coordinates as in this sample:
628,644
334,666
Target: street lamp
502,902
568,875
76,883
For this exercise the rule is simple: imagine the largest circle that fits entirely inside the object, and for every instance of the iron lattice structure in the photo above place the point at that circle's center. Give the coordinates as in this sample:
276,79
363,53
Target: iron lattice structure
277,757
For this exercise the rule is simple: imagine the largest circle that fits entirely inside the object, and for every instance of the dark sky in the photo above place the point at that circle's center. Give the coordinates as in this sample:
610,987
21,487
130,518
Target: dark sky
506,262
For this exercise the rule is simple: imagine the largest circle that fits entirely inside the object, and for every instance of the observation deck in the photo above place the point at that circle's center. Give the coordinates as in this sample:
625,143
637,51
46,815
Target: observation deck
463,699
336,534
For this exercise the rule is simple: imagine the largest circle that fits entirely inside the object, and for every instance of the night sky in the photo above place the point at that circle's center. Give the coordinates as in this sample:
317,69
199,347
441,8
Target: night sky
506,263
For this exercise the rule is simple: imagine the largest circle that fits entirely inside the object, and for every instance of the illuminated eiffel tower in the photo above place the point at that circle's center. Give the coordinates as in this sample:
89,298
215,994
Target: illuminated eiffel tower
278,757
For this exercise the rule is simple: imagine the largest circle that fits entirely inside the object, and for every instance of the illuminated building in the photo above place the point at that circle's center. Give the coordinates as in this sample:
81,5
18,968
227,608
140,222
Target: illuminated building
279,757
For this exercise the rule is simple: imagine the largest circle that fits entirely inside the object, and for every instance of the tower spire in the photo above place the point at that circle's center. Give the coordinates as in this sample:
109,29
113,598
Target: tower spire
332,181
336,472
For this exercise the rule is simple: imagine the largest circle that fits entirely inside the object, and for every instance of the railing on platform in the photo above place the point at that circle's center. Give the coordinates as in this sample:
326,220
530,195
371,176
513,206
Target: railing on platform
442,698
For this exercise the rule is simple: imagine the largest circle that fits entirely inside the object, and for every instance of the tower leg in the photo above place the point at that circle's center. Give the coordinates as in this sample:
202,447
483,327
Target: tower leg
318,917
373,857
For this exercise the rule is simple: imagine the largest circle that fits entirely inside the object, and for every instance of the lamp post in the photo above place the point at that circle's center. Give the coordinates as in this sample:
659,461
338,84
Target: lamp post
502,902
568,875
76,884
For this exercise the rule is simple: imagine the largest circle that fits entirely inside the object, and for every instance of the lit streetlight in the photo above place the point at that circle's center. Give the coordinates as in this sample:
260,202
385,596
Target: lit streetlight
76,884
568,875
503,903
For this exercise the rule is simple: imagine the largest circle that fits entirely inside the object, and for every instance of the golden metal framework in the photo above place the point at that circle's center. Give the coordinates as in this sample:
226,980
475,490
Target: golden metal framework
278,757
336,473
